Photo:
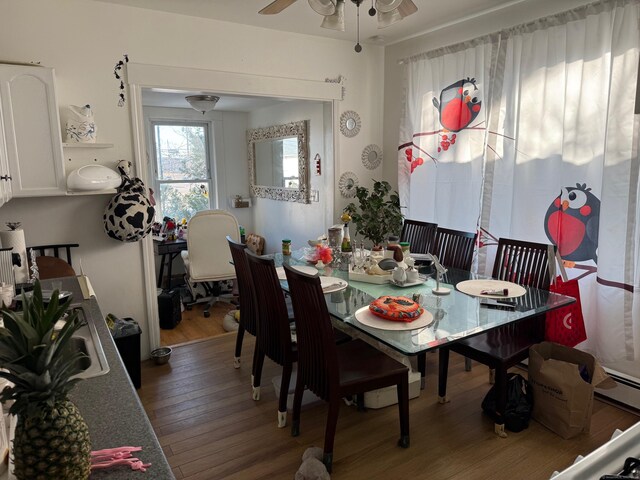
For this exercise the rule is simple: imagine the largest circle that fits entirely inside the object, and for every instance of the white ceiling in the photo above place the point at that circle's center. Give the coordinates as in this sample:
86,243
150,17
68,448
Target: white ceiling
300,18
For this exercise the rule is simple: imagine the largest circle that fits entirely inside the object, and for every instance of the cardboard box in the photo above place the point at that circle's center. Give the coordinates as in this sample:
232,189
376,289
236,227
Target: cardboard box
383,397
563,380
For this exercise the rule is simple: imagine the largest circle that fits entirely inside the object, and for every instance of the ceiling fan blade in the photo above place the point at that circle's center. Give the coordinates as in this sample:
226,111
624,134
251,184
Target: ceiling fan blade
276,7
407,7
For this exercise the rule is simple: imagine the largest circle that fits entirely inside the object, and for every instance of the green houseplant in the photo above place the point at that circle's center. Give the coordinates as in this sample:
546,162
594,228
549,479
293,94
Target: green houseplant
378,214
51,438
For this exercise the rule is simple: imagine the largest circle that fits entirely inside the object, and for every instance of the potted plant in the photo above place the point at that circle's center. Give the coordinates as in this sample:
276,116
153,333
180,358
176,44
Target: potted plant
378,214
51,438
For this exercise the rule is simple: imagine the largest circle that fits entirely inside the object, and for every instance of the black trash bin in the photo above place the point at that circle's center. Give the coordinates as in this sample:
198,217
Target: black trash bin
126,335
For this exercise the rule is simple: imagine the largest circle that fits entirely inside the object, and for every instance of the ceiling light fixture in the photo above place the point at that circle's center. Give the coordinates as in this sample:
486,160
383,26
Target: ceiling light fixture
388,11
202,103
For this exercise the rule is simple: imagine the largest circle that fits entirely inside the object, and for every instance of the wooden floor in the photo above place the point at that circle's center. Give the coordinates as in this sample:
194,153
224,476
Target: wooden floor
210,428
194,325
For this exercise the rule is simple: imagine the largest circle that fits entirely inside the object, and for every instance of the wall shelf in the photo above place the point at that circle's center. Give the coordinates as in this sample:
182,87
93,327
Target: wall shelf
87,145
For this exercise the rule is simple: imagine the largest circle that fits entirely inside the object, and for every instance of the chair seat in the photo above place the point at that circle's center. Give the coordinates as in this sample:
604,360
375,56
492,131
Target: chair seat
363,368
503,345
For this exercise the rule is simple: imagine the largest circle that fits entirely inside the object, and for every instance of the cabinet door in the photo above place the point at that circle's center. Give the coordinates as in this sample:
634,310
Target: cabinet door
32,131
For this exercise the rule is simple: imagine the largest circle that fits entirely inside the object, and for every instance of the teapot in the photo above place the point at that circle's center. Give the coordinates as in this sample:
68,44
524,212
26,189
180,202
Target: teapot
399,275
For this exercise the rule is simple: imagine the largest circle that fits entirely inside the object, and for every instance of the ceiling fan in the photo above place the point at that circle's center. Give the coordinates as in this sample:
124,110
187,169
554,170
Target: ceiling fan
389,11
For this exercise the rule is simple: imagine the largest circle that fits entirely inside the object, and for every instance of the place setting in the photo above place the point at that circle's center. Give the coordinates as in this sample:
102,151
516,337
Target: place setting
394,313
328,284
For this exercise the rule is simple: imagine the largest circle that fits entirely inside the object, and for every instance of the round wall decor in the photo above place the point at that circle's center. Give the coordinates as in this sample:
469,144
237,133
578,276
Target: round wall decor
348,184
350,123
371,156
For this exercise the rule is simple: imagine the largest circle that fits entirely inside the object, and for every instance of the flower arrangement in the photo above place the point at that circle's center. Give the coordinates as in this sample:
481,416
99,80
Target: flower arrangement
322,253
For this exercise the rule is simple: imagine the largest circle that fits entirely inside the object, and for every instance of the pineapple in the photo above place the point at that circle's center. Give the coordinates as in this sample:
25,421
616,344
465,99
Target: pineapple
51,438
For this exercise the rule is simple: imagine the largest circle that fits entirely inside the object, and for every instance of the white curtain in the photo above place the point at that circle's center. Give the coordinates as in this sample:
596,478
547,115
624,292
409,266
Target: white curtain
551,157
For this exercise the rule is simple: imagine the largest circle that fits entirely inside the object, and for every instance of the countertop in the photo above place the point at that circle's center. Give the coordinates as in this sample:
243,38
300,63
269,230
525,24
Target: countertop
111,407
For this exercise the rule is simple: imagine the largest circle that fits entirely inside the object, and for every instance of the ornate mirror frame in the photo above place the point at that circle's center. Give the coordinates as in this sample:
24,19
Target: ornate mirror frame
294,129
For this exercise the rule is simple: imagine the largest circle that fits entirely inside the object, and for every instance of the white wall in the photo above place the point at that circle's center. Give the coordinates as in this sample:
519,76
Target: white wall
466,29
83,40
275,219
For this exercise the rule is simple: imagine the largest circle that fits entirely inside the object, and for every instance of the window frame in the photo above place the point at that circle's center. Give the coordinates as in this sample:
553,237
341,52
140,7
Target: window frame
209,149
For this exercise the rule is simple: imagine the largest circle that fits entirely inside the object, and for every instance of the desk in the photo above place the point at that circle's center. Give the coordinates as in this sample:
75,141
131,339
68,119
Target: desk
168,250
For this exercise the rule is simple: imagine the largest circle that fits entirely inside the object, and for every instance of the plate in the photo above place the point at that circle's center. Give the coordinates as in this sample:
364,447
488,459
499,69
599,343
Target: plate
46,295
364,316
332,284
474,287
301,268
420,281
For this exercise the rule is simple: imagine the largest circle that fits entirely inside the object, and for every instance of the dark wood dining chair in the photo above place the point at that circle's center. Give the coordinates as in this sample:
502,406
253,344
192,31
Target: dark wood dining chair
54,261
334,371
247,322
420,235
273,337
455,248
524,263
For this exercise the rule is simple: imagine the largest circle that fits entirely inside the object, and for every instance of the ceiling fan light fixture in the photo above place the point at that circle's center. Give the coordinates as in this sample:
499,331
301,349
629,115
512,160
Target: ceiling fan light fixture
386,6
202,103
324,7
389,18
335,21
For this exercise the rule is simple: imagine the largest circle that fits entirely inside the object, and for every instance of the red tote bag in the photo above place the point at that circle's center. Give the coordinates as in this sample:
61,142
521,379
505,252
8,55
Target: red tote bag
565,325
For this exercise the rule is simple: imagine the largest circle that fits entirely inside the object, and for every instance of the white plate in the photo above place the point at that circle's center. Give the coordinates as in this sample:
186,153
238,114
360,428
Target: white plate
474,287
420,281
364,316
301,268
332,284
46,295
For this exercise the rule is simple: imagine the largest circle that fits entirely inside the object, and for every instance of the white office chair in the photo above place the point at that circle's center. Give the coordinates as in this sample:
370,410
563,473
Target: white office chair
207,258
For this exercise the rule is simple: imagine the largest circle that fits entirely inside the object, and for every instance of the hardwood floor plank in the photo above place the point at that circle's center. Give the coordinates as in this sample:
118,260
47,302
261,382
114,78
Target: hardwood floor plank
210,428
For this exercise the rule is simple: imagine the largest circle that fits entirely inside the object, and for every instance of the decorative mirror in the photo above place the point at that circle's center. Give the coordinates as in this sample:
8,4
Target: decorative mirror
350,123
371,156
348,184
278,162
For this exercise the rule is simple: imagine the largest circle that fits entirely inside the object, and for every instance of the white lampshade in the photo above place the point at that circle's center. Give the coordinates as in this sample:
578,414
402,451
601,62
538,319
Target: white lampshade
324,7
386,6
335,21
202,103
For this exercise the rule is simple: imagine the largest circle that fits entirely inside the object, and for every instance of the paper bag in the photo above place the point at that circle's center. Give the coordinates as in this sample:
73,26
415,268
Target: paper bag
563,380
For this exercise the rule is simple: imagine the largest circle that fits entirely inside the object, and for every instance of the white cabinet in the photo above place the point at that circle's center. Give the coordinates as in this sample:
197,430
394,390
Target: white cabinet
31,128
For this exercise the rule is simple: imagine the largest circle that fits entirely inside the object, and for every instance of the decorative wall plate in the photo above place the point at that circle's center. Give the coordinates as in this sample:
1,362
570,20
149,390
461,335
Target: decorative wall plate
350,123
372,156
347,184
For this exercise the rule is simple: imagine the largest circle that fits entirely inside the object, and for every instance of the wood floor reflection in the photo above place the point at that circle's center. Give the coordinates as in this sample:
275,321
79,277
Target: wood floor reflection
194,326
210,428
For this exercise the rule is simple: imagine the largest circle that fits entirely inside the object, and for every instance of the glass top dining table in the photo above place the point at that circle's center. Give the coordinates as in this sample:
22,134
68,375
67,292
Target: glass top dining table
455,316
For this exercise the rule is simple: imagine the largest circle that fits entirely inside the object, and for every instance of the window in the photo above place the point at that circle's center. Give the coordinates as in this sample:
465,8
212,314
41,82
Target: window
182,168
290,163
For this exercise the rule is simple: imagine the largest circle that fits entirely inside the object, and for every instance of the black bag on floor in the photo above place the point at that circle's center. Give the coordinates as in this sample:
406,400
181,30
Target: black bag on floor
519,403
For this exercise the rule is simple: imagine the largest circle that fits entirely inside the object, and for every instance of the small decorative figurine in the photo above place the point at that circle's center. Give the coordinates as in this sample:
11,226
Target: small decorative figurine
439,271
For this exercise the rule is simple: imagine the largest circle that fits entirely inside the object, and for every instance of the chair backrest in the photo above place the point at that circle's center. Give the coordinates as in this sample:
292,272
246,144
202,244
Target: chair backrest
317,354
454,248
50,262
525,263
54,250
274,333
246,292
421,235
209,256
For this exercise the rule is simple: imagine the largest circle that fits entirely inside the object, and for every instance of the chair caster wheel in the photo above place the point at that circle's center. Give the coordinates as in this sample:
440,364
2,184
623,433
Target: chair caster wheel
207,314
404,441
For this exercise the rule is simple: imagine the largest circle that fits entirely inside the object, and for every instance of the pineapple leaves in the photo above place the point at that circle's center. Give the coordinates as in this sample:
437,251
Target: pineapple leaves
38,359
